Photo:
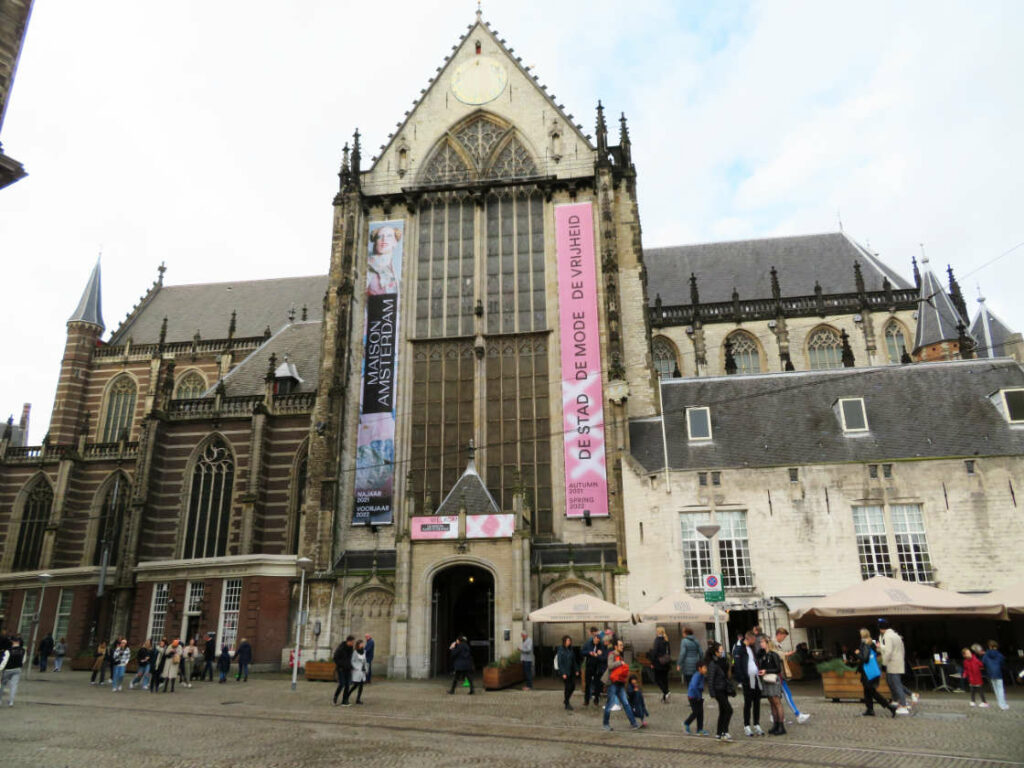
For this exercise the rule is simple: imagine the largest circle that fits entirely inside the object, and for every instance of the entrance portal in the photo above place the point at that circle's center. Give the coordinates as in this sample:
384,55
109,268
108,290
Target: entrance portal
462,604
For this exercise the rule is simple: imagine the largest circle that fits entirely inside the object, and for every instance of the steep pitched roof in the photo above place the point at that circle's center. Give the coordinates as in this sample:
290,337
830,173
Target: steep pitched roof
207,307
746,266
469,493
89,309
928,410
299,342
937,317
990,332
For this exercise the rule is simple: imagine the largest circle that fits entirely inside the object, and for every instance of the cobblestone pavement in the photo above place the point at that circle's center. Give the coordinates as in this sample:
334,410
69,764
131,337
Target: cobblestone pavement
60,720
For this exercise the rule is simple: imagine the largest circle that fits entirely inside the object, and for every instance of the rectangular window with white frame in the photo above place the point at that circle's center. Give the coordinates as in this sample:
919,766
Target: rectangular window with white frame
29,603
158,610
698,423
696,549
911,543
853,415
230,605
734,550
62,620
872,543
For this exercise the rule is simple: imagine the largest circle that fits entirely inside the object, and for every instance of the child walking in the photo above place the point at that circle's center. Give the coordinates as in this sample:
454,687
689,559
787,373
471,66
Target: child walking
695,694
635,696
972,671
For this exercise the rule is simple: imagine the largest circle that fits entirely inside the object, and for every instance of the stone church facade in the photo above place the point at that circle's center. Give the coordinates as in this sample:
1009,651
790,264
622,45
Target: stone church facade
420,424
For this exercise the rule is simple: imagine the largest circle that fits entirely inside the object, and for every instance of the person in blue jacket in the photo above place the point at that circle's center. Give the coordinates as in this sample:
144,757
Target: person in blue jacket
994,662
224,663
243,655
695,695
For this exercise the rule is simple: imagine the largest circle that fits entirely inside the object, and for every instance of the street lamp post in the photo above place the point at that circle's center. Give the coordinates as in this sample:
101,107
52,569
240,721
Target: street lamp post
709,532
44,578
304,564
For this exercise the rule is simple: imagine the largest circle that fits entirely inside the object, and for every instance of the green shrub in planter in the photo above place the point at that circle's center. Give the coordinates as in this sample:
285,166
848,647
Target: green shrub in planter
834,665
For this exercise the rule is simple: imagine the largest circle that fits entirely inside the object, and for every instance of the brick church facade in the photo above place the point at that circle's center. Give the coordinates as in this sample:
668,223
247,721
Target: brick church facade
416,421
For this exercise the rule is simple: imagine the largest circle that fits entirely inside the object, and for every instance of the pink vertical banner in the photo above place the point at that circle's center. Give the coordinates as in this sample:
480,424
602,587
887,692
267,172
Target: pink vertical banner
586,478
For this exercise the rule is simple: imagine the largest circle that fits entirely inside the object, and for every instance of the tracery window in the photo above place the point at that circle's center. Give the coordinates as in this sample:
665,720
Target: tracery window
445,269
514,237
824,349
895,342
446,167
111,519
35,516
120,409
513,162
479,138
745,352
190,386
663,353
518,440
209,506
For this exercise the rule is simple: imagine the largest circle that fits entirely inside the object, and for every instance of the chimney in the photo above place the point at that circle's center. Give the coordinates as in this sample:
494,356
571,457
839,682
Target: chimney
23,424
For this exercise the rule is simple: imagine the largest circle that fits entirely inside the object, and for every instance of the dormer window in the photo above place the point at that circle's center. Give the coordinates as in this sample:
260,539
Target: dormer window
698,423
1011,403
286,378
852,414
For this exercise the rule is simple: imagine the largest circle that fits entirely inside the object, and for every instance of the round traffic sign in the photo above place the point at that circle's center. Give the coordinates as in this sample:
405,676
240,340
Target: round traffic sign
711,581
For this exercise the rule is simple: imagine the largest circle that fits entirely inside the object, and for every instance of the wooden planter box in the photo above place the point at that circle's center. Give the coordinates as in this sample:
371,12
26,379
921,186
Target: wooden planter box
496,678
840,686
320,670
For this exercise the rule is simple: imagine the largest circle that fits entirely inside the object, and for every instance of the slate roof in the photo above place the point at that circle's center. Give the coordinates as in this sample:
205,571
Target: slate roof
937,316
990,332
926,410
471,493
299,341
746,266
90,309
207,307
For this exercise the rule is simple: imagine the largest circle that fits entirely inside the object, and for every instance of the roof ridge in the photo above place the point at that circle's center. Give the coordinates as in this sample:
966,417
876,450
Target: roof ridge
741,240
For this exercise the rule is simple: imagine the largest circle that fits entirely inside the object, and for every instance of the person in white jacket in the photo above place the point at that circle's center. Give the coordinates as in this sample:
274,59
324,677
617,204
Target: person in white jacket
358,670
11,662
890,644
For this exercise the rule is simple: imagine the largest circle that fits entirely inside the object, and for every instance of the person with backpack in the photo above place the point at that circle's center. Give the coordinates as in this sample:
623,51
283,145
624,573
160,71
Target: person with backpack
11,662
567,667
870,675
618,675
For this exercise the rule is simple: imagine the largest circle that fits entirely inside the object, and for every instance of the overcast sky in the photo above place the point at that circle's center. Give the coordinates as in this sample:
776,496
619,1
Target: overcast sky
208,134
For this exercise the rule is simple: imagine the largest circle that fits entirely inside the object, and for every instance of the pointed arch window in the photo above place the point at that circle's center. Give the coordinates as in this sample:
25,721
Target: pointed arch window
190,386
111,519
479,138
663,351
745,352
209,502
120,409
35,516
895,342
824,349
513,162
446,166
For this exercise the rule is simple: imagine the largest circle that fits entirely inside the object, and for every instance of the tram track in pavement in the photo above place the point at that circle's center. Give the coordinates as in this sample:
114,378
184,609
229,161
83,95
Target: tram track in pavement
761,751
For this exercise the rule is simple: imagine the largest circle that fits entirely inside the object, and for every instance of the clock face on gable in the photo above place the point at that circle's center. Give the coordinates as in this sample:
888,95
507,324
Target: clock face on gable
479,80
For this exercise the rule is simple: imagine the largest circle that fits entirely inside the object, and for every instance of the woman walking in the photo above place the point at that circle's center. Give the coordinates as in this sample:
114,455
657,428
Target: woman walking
60,650
122,655
158,660
189,656
870,674
720,687
662,662
142,658
568,668
172,663
99,663
358,670
769,668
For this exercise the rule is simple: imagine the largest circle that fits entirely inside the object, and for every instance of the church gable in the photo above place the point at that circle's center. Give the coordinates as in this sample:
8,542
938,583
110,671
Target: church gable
484,116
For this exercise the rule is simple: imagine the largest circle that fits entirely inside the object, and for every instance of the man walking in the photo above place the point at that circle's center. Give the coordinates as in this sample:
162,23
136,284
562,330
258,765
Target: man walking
243,655
891,646
595,655
462,664
745,672
618,674
343,669
526,656
10,669
781,635
689,656
209,656
368,649
45,649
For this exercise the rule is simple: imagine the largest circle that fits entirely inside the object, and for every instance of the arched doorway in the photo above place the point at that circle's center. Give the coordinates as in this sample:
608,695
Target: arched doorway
462,603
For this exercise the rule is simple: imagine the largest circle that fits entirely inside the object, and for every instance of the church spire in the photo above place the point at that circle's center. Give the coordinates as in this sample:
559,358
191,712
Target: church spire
602,134
89,309
624,144
356,155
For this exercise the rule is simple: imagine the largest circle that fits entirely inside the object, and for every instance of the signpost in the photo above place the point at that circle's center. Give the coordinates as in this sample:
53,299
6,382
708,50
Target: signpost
714,592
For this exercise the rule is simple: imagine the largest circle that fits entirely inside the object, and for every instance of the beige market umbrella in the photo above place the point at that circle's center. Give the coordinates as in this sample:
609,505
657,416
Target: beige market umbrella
882,596
1011,597
579,608
679,607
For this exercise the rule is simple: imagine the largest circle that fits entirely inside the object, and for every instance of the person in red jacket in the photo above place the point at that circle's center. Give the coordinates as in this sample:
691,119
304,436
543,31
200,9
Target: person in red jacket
972,671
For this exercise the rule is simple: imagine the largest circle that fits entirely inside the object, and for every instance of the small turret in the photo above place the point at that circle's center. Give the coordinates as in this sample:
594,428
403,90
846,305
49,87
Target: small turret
89,309
937,336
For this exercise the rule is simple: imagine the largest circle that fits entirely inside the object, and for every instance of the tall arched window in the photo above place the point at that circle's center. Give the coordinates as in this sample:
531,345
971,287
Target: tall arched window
663,352
895,341
111,519
120,409
209,503
35,516
299,503
745,352
824,349
190,386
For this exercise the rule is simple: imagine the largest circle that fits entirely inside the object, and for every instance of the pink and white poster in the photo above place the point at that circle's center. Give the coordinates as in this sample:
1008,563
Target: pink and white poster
432,528
586,478
490,526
